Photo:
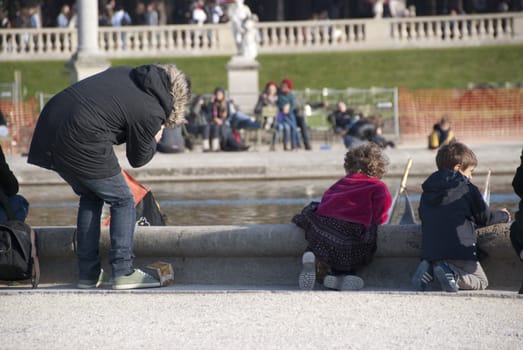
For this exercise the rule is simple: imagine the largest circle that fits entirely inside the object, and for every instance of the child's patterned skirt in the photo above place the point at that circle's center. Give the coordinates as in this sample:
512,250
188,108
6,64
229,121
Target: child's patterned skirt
342,245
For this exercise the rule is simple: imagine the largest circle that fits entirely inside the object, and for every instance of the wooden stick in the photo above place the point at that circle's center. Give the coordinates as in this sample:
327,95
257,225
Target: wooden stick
486,191
401,188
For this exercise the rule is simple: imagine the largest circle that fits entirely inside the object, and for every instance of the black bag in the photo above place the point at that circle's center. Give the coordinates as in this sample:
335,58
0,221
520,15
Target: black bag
148,212
18,258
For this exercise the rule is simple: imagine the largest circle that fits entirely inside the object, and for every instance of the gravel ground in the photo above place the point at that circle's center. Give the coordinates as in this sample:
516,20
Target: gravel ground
259,320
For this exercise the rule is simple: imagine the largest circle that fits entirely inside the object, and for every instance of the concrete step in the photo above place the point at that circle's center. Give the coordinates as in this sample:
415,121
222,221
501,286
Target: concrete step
266,255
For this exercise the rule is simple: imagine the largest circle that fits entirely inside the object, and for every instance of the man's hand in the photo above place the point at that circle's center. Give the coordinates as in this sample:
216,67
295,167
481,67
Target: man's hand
158,136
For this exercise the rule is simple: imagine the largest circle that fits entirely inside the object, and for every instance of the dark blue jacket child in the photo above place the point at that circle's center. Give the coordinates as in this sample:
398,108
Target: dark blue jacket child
451,209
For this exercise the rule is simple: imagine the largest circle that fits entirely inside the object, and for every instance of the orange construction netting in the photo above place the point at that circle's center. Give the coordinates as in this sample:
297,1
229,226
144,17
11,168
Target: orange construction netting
474,113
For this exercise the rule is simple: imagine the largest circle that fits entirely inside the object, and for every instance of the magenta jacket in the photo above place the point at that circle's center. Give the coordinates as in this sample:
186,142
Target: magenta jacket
357,198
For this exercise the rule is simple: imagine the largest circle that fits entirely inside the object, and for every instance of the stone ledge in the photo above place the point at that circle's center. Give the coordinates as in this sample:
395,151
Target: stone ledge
266,255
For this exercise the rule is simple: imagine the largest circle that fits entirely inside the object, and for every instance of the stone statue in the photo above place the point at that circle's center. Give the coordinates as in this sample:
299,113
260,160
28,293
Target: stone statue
250,38
243,29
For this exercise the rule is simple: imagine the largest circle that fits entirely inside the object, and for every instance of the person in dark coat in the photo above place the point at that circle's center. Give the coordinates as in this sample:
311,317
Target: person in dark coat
451,209
516,229
12,204
75,135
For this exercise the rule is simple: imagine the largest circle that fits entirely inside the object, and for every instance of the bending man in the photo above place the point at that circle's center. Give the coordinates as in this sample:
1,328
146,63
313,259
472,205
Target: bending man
75,135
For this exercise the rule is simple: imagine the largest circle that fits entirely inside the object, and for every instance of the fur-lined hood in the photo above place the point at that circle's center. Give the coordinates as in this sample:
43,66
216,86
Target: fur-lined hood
180,92
169,85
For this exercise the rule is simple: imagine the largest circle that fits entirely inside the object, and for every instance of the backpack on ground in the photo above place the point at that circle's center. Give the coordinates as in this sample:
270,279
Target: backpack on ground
18,256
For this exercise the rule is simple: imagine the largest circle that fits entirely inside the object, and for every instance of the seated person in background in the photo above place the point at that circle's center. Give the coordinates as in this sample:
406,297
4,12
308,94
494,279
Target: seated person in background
342,120
237,119
368,129
222,136
451,208
341,230
198,122
12,205
267,105
441,133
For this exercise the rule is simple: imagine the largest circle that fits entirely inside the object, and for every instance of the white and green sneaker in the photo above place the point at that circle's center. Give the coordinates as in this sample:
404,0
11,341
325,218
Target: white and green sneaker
343,282
307,277
136,280
102,281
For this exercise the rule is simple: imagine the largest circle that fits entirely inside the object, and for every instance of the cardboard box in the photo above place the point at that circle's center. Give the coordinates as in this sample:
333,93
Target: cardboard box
163,271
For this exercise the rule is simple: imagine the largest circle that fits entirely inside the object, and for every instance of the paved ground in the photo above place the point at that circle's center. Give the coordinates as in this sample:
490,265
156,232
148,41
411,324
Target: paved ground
258,319
204,317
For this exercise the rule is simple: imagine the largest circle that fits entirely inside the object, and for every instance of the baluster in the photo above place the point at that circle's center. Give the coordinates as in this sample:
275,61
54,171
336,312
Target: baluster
60,42
167,39
184,39
31,42
101,42
45,43
437,31
345,33
393,32
325,30
150,40
489,23
479,29
426,31
406,31
308,35
73,40
177,39
499,28
299,36
418,33
362,35
262,32
211,37
446,30
118,41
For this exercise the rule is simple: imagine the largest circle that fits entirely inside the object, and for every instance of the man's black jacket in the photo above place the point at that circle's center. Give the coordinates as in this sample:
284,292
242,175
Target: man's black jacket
78,127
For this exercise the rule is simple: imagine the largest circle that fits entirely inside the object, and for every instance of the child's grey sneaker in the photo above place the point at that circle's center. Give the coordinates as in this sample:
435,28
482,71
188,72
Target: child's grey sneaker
423,276
343,282
307,277
102,281
138,279
446,277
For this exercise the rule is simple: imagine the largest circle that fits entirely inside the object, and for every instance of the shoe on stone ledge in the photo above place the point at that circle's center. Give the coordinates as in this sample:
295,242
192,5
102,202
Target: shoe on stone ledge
136,280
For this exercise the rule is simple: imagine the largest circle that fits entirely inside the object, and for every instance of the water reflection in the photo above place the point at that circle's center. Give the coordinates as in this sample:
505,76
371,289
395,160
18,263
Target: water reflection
215,203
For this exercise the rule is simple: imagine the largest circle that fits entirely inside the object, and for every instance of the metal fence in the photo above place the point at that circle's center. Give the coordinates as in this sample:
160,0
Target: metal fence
365,102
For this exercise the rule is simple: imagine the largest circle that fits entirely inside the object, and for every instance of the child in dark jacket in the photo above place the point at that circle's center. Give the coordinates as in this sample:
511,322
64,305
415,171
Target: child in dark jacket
516,229
341,230
451,209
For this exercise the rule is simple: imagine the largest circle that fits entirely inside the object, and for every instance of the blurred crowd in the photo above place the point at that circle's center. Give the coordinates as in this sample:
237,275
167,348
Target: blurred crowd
216,123
47,13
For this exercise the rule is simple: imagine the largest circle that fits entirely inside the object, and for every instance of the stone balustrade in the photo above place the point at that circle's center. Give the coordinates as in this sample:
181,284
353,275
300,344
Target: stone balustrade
274,37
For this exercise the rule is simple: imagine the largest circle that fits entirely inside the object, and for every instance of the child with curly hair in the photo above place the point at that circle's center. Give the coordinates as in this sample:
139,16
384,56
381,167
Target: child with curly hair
341,230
